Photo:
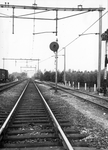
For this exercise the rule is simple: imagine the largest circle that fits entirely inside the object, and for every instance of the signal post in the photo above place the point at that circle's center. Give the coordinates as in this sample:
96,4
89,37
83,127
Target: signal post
54,47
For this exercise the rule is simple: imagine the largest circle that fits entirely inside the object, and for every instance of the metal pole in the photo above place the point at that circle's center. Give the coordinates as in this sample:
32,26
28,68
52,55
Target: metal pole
56,22
64,65
35,69
13,22
3,62
56,53
56,58
105,70
99,54
38,65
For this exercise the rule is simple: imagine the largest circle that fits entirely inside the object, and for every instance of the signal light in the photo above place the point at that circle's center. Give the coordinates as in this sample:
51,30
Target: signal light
104,36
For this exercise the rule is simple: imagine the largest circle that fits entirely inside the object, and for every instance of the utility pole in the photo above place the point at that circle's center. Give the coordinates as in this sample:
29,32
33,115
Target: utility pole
56,52
100,51
104,37
64,65
38,65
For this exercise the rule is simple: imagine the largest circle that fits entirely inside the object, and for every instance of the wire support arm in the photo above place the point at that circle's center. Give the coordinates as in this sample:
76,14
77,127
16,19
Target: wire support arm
17,17
50,8
44,32
20,59
73,15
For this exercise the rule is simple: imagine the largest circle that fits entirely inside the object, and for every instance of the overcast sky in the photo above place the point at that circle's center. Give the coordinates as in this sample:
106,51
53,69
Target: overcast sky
81,54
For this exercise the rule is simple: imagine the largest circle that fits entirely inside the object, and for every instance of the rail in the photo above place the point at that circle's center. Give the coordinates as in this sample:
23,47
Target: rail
66,142
12,111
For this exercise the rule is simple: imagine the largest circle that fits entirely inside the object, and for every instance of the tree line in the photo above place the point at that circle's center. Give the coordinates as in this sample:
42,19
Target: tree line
88,77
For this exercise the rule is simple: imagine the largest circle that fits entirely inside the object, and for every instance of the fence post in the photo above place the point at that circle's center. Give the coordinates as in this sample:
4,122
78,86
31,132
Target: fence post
78,85
94,87
73,84
85,86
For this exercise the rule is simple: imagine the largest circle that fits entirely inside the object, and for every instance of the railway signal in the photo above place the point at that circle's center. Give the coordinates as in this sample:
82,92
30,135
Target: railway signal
104,36
54,46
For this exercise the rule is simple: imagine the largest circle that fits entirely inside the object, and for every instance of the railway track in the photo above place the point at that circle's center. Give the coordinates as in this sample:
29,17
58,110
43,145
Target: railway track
31,123
6,86
93,99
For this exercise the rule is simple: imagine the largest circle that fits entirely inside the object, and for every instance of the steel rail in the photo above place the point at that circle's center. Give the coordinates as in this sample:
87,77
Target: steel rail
82,92
78,91
8,85
64,89
12,111
62,134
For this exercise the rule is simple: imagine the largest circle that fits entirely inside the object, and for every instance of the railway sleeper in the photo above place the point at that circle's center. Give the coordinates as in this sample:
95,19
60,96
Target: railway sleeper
34,135
38,124
30,121
32,143
31,108
31,115
14,132
34,120
25,125
44,143
22,131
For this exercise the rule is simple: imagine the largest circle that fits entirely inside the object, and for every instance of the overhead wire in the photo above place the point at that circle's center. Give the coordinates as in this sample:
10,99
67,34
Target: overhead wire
33,13
46,59
26,17
21,17
74,15
4,14
84,31
79,36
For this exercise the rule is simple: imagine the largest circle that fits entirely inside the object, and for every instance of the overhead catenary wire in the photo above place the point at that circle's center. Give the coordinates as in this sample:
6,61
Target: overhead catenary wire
84,31
3,14
73,15
33,13
19,17
47,58
78,36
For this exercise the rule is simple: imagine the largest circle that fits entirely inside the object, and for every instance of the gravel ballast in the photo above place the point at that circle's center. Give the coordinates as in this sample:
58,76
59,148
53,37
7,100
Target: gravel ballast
9,97
86,117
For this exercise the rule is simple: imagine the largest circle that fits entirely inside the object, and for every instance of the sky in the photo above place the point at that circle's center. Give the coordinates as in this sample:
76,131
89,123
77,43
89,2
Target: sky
81,54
